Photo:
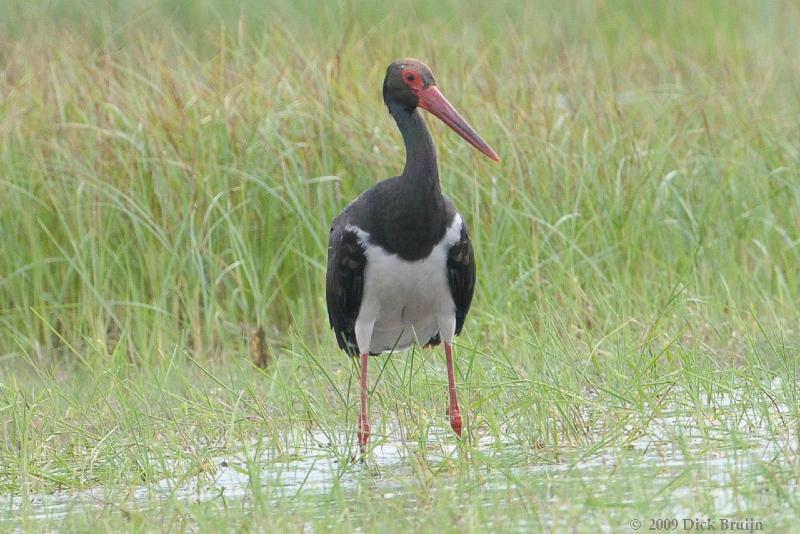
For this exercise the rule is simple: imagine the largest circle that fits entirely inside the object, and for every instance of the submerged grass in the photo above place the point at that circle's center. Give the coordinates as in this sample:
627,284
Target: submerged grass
168,172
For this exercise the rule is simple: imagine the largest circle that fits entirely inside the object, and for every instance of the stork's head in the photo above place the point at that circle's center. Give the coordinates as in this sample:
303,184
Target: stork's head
409,83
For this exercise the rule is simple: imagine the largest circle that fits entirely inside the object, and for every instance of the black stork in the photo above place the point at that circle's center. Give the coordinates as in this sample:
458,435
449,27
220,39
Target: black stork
401,269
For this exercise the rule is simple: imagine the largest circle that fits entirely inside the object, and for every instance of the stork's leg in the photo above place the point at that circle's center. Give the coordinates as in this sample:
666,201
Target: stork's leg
363,331
454,411
363,416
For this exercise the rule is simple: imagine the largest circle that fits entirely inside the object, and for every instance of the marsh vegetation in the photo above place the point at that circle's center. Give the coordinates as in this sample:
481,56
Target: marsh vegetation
168,173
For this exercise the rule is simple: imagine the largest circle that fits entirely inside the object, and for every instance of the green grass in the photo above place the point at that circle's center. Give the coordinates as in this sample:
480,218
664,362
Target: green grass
168,174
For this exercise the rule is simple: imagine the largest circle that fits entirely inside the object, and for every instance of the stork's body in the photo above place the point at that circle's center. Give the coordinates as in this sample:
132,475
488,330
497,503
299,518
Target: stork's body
400,264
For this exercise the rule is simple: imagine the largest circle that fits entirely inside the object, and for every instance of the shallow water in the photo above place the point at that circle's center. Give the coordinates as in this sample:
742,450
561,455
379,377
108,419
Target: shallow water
670,459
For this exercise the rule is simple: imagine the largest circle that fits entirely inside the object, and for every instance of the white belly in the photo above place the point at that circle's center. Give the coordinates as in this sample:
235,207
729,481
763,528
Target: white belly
405,302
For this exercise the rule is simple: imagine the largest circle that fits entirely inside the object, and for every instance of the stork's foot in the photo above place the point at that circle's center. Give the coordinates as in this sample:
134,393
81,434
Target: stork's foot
363,434
455,420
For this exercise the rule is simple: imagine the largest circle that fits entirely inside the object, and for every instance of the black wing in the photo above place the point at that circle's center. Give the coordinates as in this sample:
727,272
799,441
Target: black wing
344,285
461,276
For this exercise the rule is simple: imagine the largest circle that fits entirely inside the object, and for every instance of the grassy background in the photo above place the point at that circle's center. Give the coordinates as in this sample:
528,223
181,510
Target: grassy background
168,172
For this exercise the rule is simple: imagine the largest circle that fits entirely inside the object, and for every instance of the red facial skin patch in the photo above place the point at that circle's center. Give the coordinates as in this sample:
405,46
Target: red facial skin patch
413,79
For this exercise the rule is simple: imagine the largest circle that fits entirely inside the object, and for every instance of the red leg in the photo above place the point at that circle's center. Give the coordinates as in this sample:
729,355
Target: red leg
363,416
454,411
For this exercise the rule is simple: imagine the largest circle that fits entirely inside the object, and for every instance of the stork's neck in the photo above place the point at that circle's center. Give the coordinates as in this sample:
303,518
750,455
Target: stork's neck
421,167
